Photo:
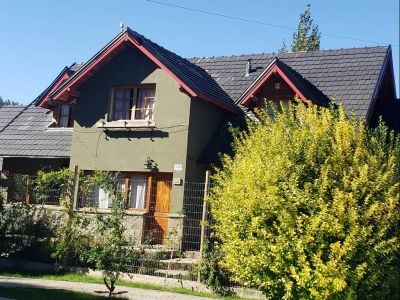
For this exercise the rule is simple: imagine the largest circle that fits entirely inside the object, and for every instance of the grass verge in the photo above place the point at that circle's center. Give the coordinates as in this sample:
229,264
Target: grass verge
92,279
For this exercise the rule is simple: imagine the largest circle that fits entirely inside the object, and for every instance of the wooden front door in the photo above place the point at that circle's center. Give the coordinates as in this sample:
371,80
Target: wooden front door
159,207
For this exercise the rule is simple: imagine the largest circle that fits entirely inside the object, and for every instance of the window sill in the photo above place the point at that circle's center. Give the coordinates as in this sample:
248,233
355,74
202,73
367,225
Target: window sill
127,124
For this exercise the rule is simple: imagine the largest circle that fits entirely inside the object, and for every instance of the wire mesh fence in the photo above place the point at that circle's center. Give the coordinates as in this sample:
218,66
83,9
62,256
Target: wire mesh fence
163,218
22,188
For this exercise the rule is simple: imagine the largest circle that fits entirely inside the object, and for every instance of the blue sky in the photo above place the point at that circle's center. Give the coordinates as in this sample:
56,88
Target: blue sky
38,38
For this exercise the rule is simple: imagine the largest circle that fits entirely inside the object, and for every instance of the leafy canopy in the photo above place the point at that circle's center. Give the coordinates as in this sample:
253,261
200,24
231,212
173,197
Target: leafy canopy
309,207
307,37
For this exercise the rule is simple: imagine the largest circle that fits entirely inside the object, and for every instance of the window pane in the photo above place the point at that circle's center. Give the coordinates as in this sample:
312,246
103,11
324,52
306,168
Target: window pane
64,115
144,109
101,199
122,104
137,196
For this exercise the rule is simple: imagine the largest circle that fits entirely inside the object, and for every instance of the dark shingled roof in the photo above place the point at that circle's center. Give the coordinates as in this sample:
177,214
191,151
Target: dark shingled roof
193,76
27,133
349,76
8,113
68,70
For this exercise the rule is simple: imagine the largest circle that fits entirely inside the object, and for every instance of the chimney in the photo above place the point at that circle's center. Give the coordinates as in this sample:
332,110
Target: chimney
248,67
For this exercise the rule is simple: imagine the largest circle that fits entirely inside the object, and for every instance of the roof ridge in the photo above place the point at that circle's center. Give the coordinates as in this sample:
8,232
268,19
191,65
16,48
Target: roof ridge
290,52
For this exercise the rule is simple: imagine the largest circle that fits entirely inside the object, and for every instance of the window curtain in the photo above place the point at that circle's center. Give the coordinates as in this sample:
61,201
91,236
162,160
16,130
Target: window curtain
101,198
64,115
122,104
137,197
145,104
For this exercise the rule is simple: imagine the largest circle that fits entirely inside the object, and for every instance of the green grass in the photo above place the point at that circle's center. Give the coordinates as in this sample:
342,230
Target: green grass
92,279
44,294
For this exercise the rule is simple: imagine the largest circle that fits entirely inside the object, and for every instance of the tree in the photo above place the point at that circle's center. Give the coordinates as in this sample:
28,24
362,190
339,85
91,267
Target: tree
111,249
7,102
284,48
310,206
307,37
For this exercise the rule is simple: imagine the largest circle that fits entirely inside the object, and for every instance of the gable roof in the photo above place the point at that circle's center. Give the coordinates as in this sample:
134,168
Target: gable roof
27,133
65,73
303,89
196,81
350,76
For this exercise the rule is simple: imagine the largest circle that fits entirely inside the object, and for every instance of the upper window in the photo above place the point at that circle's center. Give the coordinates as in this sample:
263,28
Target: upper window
132,103
64,115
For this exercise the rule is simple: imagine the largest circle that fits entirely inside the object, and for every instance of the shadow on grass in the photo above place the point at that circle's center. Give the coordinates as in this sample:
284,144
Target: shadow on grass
17,292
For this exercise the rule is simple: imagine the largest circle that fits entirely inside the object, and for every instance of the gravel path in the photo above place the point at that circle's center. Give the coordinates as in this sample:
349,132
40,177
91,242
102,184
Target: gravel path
132,293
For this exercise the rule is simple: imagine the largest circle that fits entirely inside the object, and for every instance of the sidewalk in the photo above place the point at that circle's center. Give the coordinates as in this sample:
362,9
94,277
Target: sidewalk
132,293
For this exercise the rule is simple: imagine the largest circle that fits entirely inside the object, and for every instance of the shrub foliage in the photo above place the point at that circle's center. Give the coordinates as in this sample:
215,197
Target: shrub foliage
309,207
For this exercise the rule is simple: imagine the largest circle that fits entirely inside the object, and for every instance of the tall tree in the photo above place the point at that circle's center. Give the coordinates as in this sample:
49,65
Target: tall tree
307,37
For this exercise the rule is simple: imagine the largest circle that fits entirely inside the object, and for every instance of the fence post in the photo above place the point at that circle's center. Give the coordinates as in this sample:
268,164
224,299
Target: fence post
204,219
75,188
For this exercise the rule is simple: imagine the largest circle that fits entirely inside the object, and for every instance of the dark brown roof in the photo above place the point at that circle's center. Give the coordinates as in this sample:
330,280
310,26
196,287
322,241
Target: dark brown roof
197,79
27,133
66,70
349,76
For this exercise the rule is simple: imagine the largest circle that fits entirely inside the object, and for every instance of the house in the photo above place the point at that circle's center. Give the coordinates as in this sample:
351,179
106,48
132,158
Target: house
159,119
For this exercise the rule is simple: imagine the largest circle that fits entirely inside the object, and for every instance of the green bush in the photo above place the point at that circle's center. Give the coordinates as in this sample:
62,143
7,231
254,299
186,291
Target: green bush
212,274
309,207
24,230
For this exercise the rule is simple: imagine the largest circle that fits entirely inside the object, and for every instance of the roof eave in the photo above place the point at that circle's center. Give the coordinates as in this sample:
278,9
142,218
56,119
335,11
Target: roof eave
388,57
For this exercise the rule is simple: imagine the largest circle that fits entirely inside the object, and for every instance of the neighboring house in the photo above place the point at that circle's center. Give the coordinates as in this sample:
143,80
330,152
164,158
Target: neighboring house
29,142
160,120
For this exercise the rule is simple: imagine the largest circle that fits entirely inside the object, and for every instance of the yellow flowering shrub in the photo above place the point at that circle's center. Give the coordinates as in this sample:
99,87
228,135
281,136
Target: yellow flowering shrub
309,207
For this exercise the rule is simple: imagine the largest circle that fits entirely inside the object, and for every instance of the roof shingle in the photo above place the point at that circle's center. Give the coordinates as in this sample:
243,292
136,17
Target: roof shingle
29,134
347,75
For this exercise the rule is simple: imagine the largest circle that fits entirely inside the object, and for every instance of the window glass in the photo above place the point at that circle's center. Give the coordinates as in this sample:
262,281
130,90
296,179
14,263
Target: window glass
122,104
137,195
144,109
101,198
64,115
133,104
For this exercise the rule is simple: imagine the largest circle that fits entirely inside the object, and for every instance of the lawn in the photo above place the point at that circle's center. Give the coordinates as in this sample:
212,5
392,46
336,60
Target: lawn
92,279
44,294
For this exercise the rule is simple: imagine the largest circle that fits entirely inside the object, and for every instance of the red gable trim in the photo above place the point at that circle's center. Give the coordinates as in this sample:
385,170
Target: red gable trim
125,38
275,69
42,103
158,63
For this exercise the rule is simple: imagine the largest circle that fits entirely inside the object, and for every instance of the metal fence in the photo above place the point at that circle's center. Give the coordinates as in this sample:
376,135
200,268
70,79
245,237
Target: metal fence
165,221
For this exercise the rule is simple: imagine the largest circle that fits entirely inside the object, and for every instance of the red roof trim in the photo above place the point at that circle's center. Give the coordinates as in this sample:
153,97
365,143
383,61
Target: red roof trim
42,103
275,69
158,63
68,86
124,38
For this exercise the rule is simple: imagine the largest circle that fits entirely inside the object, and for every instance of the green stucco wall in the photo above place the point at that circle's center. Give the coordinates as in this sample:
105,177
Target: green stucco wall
184,126
94,148
205,119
